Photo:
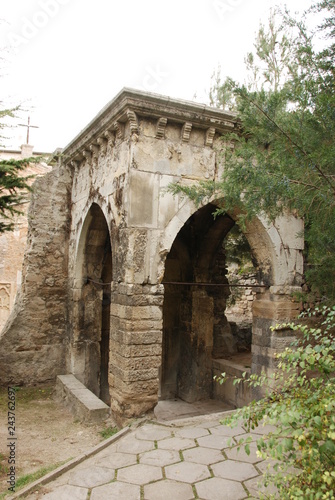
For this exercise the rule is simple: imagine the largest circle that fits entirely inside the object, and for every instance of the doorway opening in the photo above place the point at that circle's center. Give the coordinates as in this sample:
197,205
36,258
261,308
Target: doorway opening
201,327
92,310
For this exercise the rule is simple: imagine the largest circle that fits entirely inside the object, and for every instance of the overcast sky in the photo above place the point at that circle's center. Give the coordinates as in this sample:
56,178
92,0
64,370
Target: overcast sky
65,59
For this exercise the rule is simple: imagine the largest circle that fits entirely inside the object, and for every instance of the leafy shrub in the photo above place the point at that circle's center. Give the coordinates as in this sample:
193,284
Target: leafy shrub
300,402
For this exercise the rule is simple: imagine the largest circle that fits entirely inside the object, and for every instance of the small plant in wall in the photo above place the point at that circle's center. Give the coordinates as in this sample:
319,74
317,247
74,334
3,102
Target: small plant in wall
300,403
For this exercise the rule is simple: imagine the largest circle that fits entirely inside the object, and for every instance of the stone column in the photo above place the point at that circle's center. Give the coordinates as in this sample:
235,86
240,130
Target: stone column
135,348
271,308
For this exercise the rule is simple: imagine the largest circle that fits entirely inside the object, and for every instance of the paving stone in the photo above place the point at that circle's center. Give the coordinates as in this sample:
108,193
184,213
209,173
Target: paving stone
216,442
168,490
192,432
115,491
139,474
219,489
208,424
152,432
160,458
176,443
225,430
67,492
92,476
242,456
267,466
117,460
135,446
264,429
205,456
255,487
240,471
106,451
187,472
246,435
201,444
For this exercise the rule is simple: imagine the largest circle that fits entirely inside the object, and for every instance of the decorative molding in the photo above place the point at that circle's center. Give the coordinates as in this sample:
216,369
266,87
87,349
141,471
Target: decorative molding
94,149
210,133
228,124
102,144
186,131
133,122
75,164
87,154
119,129
110,137
160,127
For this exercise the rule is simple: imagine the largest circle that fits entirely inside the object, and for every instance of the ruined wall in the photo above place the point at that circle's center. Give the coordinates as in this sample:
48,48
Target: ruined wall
32,343
125,168
108,200
13,243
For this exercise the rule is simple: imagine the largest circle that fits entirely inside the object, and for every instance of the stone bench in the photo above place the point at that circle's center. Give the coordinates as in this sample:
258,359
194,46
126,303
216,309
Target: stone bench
85,406
235,395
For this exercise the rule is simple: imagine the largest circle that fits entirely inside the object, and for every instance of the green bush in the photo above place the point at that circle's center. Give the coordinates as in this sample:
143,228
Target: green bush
300,402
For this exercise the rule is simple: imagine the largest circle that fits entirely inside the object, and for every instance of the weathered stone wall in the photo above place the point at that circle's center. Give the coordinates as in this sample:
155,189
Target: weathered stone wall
13,243
271,308
123,164
113,236
32,343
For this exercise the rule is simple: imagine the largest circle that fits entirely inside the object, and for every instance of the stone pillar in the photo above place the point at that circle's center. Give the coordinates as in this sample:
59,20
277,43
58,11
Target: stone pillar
135,348
270,308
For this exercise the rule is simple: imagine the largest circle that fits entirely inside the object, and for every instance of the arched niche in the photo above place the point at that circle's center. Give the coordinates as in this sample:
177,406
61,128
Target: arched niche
195,328
91,304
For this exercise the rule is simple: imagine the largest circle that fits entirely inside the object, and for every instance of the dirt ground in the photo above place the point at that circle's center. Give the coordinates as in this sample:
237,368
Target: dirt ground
46,432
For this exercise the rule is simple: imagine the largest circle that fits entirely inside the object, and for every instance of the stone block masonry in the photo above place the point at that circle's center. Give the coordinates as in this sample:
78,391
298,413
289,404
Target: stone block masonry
32,343
104,235
85,406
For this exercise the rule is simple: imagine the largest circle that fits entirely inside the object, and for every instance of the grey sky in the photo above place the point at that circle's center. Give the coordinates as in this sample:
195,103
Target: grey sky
67,58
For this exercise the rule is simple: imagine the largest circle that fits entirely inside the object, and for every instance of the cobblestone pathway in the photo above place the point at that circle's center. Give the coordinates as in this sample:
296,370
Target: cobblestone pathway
185,460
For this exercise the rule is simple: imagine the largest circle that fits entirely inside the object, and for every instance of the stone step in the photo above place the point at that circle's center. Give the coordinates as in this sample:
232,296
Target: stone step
85,406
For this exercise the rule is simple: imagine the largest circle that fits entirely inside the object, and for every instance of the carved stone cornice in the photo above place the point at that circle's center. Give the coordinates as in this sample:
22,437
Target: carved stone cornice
87,154
110,137
209,138
119,129
186,132
133,122
75,164
94,149
160,127
129,106
102,143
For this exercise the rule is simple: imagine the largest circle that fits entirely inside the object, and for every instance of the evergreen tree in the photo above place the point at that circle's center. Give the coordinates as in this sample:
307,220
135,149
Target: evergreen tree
14,187
283,157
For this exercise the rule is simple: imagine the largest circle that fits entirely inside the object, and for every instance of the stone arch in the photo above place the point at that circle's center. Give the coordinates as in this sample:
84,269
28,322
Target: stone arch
91,304
195,329
262,237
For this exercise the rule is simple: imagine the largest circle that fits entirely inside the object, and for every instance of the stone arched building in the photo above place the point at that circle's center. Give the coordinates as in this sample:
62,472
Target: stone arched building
124,284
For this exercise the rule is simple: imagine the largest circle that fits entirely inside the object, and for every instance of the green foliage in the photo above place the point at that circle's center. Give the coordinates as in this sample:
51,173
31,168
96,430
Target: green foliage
283,156
238,250
30,478
300,402
108,432
14,187
13,190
